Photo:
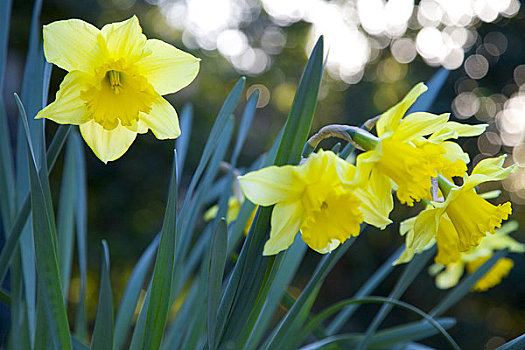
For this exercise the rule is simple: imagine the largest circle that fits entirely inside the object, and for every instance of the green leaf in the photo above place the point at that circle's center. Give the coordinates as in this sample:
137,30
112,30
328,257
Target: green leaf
159,303
23,213
303,107
412,269
214,137
217,261
466,285
5,15
247,278
191,209
173,337
137,339
515,344
426,100
45,239
281,274
328,261
369,286
80,205
7,182
183,141
131,295
65,217
103,330
42,337
386,337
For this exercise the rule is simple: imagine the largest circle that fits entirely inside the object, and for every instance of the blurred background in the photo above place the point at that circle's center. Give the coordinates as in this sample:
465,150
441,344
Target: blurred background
376,51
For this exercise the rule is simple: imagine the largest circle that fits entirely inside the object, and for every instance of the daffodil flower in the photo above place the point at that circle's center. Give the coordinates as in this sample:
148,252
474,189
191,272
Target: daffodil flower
316,197
448,276
454,160
464,218
395,158
115,82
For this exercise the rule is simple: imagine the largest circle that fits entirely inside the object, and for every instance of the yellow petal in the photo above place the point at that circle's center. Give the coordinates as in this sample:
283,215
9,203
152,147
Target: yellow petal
162,119
286,220
271,185
450,276
419,124
494,276
473,217
107,145
167,68
124,40
447,241
72,45
334,243
338,218
389,121
377,200
425,228
68,108
406,256
489,169
454,130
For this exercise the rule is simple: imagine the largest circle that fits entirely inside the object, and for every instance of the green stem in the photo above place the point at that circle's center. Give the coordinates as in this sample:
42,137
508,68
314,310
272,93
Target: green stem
444,185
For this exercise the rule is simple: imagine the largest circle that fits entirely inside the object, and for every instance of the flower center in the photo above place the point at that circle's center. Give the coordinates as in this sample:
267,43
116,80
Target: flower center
114,81
117,97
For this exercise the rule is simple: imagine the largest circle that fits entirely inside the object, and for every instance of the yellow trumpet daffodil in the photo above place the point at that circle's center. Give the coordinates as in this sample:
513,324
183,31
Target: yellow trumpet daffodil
448,276
316,198
396,160
464,218
115,82
410,151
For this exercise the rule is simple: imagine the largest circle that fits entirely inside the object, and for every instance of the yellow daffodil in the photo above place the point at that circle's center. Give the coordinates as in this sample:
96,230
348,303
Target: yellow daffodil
234,205
316,197
395,158
449,275
115,82
464,218
454,160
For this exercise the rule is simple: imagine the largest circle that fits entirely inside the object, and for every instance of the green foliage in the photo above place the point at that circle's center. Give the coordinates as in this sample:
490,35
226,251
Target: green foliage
209,287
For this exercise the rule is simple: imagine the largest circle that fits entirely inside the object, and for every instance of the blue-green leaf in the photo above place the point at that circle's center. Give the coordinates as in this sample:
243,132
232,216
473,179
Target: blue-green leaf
412,269
515,344
103,331
183,141
65,217
131,295
45,239
159,302
217,261
369,286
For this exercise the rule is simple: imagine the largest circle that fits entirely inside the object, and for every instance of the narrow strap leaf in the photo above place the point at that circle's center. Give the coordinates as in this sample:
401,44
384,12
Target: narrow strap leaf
103,331
217,261
159,302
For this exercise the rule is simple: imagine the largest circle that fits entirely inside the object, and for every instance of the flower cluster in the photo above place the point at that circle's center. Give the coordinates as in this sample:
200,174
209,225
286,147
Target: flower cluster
326,198
113,91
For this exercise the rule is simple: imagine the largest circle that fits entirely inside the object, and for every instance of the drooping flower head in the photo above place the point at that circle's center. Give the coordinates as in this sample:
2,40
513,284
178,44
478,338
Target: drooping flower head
405,158
316,197
115,82
448,276
464,218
